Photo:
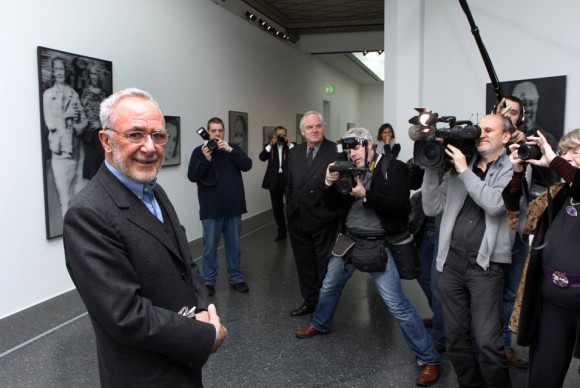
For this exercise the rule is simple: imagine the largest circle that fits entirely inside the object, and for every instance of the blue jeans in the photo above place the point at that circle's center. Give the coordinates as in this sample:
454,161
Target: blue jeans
213,228
389,286
512,283
428,280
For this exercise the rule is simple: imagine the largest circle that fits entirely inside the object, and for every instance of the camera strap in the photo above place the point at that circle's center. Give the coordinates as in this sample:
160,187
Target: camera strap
206,184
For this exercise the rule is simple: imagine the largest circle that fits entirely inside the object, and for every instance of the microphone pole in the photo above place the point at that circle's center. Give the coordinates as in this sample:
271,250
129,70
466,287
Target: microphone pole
486,60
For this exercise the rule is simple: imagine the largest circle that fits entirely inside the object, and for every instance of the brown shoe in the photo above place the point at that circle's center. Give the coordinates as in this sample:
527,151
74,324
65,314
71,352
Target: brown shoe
307,332
428,375
515,359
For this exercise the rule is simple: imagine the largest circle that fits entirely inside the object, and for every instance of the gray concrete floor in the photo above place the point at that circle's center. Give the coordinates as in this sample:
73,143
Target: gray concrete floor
52,344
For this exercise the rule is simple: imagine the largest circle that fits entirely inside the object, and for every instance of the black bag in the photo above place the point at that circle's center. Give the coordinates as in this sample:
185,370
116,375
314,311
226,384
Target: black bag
369,255
404,251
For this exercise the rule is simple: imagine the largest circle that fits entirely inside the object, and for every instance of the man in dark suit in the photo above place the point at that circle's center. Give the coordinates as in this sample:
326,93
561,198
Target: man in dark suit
276,153
128,256
311,225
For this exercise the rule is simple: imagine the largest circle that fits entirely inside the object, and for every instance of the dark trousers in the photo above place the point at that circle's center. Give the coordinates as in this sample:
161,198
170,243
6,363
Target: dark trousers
551,352
277,199
472,297
311,254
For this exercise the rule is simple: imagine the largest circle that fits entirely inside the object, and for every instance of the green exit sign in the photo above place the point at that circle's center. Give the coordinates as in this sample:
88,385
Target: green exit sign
330,89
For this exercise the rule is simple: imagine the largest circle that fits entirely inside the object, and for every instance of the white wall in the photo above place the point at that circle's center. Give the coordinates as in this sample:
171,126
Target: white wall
524,38
197,60
371,107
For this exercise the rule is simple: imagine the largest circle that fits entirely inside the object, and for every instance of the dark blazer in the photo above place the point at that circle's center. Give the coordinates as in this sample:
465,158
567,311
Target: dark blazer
304,206
133,279
273,158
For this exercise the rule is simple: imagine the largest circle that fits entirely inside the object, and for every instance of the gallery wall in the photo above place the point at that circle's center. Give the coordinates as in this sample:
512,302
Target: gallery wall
197,60
524,39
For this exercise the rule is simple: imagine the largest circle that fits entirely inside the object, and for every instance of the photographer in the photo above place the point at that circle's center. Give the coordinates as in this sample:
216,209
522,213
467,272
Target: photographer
276,153
216,168
549,318
375,210
474,247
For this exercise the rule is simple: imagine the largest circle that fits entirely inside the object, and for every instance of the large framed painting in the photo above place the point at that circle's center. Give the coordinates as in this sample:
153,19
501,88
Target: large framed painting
71,88
544,101
238,129
172,148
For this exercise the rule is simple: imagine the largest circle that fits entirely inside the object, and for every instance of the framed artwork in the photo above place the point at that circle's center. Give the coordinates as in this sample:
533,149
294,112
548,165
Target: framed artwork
71,88
238,129
267,133
299,137
544,101
172,148
350,125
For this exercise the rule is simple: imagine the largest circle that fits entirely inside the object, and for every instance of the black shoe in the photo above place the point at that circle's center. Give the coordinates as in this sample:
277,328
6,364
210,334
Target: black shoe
241,287
428,322
303,310
210,289
280,237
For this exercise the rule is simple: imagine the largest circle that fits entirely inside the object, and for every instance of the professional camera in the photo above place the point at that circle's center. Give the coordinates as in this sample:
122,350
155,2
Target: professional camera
529,151
428,151
347,169
212,144
281,139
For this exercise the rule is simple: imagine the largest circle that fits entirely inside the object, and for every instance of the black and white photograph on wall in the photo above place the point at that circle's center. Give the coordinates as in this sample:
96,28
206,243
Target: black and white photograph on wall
172,148
267,133
238,129
71,88
544,101
299,138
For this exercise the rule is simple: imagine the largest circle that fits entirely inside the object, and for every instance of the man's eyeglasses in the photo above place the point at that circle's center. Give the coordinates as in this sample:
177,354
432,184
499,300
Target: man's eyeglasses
140,137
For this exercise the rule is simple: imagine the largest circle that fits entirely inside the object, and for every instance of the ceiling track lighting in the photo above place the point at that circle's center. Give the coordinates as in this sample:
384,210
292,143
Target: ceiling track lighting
379,52
264,25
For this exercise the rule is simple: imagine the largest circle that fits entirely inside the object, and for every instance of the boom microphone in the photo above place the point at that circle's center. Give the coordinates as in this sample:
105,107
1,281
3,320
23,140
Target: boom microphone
417,132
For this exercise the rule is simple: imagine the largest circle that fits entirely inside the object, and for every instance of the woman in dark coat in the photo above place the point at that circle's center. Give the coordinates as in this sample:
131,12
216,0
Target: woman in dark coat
549,319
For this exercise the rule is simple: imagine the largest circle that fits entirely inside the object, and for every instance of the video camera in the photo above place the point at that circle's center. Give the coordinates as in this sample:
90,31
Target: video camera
347,169
212,144
430,152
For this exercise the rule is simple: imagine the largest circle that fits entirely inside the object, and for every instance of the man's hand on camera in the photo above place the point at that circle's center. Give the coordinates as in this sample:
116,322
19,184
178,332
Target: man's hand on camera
274,141
518,137
222,145
331,177
206,152
359,190
518,164
457,158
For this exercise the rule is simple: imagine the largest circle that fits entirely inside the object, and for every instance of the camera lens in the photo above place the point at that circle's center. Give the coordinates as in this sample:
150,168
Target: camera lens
529,151
212,145
281,139
428,153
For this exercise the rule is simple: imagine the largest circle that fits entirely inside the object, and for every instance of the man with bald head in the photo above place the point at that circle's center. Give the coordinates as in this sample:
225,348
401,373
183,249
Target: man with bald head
474,248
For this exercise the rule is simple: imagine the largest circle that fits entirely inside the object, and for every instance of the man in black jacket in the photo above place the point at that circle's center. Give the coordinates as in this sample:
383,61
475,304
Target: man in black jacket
276,153
311,224
375,210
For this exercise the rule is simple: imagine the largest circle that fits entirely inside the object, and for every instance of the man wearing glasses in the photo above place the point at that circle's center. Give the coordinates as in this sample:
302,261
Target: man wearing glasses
216,167
129,258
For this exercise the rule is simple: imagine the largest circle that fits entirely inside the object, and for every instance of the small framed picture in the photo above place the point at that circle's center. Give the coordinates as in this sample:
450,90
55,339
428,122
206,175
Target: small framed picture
299,138
238,129
172,148
267,134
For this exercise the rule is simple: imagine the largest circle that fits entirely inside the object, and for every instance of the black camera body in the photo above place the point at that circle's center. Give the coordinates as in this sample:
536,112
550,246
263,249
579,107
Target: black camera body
429,153
281,139
211,144
348,171
428,150
529,151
